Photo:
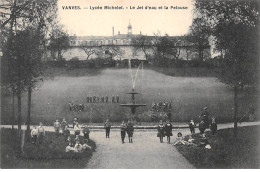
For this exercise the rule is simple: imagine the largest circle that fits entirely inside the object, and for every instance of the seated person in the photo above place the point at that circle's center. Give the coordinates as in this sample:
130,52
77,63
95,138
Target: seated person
85,145
204,142
179,139
78,147
191,141
70,148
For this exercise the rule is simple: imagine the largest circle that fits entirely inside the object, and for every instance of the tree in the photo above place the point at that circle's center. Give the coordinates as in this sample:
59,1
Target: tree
235,27
166,48
142,43
113,51
89,50
198,36
59,42
25,19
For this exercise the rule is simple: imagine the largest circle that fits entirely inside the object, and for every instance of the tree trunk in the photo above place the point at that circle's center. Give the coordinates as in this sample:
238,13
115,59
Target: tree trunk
235,110
19,114
13,111
29,108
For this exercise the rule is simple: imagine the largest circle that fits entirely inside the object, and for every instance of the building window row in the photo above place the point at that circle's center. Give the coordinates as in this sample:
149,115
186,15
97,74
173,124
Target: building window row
103,42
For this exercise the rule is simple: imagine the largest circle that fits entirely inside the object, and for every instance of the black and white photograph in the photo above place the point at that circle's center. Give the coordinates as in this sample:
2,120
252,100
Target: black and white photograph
129,84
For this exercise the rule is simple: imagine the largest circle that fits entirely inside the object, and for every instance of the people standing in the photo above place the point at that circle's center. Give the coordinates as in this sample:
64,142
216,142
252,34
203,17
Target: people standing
192,126
57,127
41,133
63,125
113,99
86,132
102,99
76,129
130,131
107,126
34,134
123,130
168,130
87,99
213,127
160,129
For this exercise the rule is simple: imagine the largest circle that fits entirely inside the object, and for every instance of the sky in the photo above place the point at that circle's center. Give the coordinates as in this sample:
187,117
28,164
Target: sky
86,22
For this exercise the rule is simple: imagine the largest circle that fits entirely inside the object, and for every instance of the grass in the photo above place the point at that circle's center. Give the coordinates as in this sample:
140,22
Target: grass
188,95
50,154
226,152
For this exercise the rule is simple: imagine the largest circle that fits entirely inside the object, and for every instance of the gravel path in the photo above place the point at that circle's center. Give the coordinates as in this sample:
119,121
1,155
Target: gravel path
145,152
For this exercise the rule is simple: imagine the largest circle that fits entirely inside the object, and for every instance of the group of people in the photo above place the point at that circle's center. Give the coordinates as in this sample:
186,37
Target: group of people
162,106
102,99
37,134
124,128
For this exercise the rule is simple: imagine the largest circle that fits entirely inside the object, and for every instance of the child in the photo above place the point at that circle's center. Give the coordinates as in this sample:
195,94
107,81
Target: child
123,130
34,134
69,140
192,126
70,148
107,126
191,141
77,139
202,127
86,132
160,129
179,139
85,145
130,131
78,147
63,125
77,129
213,126
204,142
41,133
66,132
168,130
57,127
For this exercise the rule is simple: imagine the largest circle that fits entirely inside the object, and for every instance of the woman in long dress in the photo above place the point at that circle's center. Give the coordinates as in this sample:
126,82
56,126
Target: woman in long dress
123,130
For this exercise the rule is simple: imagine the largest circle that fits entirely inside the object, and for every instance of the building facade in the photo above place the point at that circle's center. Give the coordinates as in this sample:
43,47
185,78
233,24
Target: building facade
81,45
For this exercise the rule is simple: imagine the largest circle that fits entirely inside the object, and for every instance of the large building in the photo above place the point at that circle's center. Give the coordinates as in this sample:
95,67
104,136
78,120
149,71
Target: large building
122,42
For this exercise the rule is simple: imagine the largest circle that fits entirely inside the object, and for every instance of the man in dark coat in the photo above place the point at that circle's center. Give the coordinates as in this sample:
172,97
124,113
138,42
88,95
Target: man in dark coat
168,130
107,126
130,131
117,98
205,117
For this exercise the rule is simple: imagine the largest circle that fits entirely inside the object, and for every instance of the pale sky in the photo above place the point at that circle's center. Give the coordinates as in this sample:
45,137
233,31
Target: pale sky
86,22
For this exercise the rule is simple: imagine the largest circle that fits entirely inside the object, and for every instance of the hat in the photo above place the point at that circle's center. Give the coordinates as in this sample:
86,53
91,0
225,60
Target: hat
205,108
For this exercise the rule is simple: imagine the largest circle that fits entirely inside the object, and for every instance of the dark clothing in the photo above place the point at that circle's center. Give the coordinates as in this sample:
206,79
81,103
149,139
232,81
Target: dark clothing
66,133
107,132
117,99
34,138
123,130
205,117
86,133
77,133
202,127
192,127
203,142
160,129
107,126
130,129
213,128
106,99
168,129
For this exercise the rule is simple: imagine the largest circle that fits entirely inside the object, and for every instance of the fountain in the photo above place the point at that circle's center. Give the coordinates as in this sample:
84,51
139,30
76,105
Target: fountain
133,105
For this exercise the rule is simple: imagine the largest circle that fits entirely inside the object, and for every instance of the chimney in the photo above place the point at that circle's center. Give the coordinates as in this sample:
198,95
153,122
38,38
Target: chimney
113,30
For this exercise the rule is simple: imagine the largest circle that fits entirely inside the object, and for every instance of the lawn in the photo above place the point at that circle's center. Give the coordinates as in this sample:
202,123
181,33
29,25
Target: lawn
188,95
50,154
226,152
